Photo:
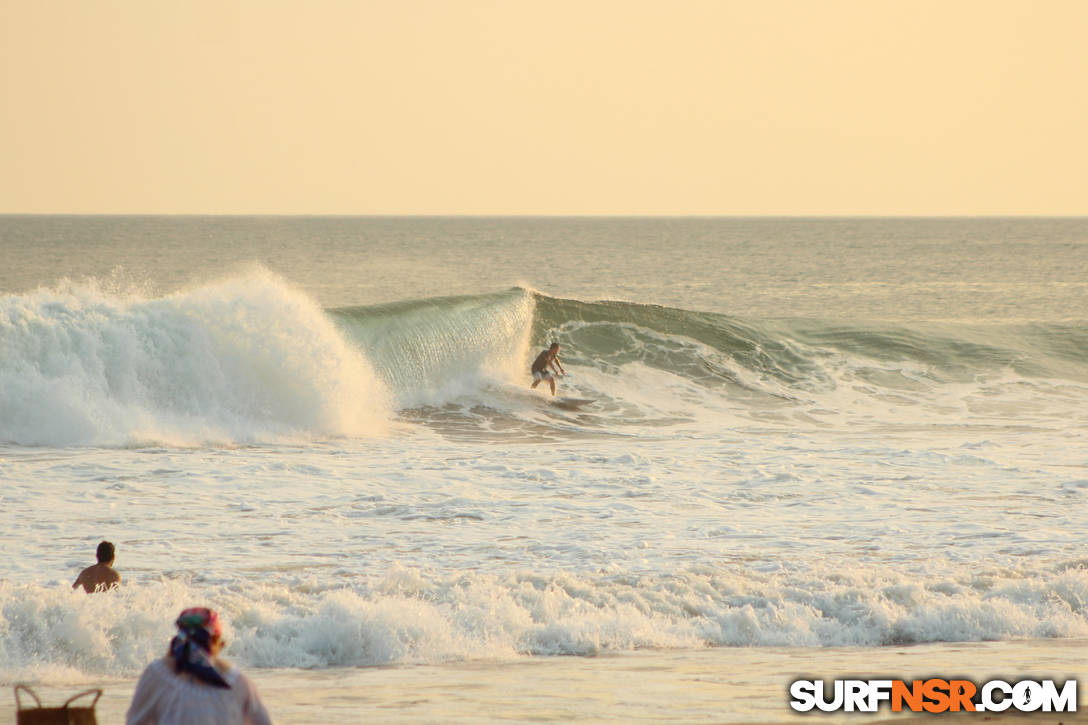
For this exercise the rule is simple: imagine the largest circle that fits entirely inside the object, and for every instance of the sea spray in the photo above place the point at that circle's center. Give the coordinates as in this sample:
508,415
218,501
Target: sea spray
250,359
408,616
240,360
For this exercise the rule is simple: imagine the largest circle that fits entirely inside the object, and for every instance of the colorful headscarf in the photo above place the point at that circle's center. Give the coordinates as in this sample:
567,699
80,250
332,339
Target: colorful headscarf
191,648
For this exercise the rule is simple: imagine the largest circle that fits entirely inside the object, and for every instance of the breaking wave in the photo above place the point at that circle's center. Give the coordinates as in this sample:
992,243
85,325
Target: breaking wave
251,359
409,617
245,359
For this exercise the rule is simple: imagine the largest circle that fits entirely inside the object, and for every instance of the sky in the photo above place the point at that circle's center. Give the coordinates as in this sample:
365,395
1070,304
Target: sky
625,107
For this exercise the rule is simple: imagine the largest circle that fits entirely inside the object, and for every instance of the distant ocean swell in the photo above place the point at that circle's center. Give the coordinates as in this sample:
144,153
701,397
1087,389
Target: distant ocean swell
408,617
251,359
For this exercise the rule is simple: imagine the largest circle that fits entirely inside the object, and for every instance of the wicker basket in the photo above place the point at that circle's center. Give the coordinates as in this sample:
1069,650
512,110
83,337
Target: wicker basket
63,715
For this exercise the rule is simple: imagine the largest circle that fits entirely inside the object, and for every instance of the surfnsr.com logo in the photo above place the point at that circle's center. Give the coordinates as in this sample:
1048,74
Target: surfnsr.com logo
934,695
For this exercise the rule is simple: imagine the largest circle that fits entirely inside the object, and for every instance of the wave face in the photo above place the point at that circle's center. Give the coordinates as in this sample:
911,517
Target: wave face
431,351
828,373
241,360
704,346
464,362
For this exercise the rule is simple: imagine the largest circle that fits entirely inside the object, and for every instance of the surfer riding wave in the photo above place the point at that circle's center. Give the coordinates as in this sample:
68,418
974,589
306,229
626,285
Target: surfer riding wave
547,358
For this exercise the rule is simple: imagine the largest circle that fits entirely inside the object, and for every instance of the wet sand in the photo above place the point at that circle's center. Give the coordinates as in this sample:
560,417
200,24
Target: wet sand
724,685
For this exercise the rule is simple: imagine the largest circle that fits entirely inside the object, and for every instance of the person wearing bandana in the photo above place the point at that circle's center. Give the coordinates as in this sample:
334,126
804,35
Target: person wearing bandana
191,685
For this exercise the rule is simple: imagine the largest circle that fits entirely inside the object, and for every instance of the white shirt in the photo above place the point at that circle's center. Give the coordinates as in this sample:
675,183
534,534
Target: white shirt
163,697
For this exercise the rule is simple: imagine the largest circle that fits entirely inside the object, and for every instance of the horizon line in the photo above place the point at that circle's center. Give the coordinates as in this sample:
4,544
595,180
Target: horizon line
348,215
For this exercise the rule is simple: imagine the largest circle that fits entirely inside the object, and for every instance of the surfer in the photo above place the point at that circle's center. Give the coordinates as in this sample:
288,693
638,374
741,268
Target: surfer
101,576
549,357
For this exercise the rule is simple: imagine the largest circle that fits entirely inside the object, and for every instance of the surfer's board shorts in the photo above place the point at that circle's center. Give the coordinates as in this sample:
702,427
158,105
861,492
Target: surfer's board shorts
541,375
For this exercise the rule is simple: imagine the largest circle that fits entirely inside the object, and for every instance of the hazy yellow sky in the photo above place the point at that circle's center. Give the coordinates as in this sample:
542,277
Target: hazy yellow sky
556,107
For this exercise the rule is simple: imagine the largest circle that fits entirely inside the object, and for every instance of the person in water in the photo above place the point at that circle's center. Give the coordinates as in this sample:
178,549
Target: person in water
101,576
549,357
191,685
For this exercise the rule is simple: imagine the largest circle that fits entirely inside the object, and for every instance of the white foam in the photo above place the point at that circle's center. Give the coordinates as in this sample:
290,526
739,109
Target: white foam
244,359
412,617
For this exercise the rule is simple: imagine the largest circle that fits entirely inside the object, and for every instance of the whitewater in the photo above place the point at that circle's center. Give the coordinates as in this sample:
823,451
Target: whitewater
326,433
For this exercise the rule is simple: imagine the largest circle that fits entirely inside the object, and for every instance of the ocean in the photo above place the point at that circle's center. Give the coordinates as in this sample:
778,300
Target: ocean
814,446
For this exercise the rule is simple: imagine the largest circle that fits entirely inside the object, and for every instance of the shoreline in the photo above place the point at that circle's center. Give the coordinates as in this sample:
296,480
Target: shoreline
721,685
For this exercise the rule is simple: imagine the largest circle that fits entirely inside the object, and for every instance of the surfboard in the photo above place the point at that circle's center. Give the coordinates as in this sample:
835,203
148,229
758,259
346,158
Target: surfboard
571,403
